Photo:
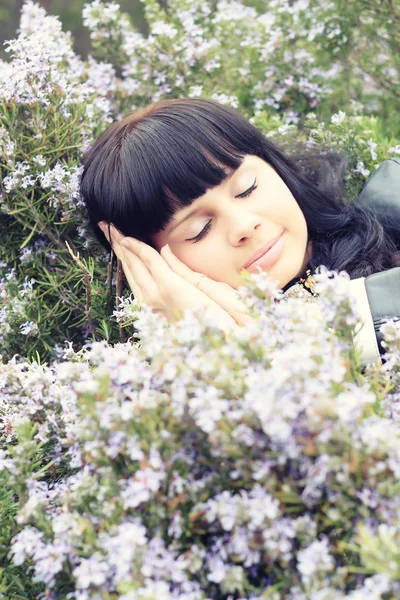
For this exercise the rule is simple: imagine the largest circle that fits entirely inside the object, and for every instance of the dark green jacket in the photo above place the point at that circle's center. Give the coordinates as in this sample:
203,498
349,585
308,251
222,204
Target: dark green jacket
382,193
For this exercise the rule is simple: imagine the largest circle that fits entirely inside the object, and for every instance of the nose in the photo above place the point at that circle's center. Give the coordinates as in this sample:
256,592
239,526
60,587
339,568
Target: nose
243,227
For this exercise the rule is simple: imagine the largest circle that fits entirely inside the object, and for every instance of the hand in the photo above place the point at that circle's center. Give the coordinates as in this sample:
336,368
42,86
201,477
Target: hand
167,285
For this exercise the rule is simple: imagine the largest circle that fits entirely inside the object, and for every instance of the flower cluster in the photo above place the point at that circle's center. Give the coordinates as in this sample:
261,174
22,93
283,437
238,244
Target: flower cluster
232,43
196,464
15,308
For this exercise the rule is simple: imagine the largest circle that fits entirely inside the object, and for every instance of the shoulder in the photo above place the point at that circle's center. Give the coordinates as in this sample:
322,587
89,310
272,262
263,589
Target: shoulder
382,190
377,298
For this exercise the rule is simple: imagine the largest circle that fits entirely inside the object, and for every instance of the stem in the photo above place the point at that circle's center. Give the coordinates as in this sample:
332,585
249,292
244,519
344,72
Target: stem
110,270
120,288
37,219
70,242
44,230
88,280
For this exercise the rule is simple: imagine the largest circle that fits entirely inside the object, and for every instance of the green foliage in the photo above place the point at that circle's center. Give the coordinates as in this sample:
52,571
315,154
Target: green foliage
357,136
70,15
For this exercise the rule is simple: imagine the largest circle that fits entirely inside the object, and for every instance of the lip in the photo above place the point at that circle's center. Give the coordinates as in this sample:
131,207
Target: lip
263,251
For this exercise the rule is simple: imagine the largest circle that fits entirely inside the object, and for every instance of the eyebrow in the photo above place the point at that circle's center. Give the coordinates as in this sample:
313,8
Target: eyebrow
188,216
229,173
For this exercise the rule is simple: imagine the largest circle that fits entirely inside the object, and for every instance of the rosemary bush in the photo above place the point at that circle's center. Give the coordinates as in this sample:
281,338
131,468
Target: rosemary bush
180,462
196,464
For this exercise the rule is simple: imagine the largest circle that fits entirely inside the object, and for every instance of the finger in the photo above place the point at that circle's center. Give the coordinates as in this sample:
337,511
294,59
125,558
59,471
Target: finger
156,264
131,274
227,298
147,255
178,266
222,293
141,278
133,267
111,233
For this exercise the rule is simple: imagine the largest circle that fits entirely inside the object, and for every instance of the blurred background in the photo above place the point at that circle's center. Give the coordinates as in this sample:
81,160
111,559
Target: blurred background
69,12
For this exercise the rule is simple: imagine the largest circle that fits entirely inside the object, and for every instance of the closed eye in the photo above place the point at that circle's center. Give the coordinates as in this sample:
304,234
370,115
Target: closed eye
248,192
200,235
207,227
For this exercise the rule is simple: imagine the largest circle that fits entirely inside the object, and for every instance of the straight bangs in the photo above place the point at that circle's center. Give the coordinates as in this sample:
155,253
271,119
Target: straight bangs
146,167
168,168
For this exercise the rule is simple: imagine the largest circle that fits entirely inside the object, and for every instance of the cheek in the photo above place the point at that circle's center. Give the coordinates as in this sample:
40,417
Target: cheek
193,257
190,258
208,259
301,226
197,258
291,217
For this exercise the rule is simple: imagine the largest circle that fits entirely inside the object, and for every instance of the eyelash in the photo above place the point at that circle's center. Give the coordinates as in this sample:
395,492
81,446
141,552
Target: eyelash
248,192
207,227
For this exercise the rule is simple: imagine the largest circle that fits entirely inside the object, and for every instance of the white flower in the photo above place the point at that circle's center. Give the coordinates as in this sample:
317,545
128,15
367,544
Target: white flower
232,10
6,462
394,149
50,561
26,544
153,590
372,147
225,99
360,168
10,182
380,434
195,91
212,65
261,506
338,118
314,559
163,29
91,571
90,386
218,570
98,12
122,547
39,160
349,405
29,328
139,488
54,178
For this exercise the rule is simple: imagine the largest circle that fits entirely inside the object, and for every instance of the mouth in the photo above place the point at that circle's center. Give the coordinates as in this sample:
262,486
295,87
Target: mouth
263,252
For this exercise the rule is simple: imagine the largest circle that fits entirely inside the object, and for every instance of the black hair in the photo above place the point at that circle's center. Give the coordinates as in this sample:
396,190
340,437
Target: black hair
164,156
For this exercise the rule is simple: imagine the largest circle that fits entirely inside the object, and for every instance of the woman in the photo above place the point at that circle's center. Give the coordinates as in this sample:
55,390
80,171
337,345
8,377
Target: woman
196,194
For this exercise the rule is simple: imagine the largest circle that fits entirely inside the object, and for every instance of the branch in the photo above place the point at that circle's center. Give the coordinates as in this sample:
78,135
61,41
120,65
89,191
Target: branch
88,281
120,288
110,269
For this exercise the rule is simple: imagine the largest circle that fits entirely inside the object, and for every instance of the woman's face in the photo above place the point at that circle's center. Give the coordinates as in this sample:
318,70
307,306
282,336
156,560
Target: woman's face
234,222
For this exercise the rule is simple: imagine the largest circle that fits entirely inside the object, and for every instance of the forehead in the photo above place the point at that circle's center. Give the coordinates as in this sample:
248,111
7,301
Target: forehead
233,177
249,163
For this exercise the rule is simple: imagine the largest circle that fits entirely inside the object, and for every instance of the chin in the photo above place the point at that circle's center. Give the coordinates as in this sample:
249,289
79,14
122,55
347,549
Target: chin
282,280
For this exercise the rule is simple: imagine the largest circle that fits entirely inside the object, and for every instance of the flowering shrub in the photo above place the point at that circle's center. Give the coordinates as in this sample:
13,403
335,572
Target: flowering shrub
196,464
290,66
190,464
